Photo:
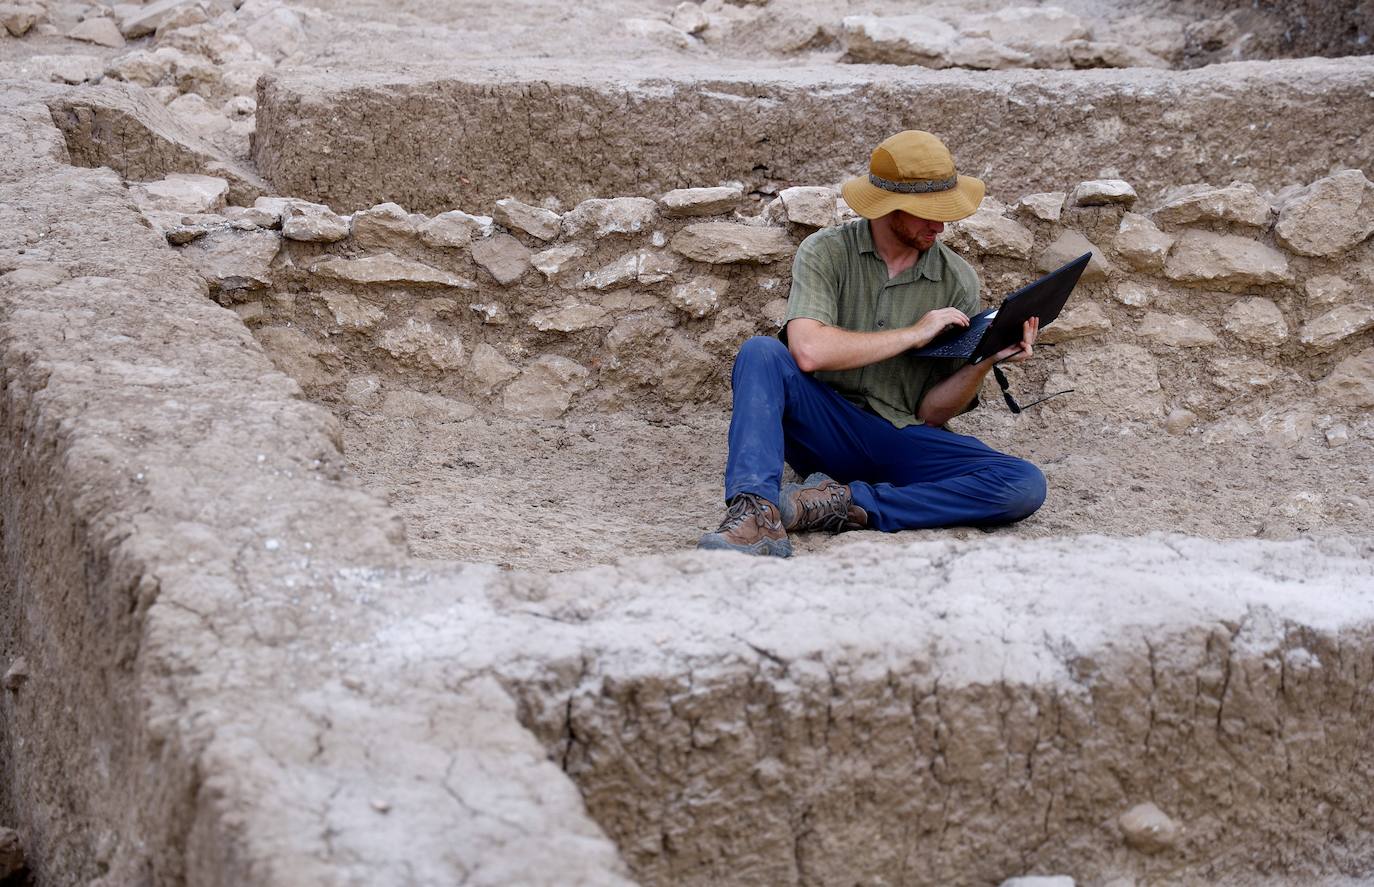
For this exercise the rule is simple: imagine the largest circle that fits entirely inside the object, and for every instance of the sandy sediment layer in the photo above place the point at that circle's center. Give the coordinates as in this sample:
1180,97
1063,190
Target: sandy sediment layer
434,139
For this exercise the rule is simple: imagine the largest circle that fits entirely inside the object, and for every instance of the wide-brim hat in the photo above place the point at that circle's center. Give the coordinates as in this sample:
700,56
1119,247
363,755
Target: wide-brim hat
913,171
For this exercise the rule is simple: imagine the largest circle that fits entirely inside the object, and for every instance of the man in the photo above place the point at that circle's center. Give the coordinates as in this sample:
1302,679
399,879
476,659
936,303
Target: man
839,396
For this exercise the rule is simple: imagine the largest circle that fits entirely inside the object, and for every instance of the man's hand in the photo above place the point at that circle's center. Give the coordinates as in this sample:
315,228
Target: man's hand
933,323
1021,350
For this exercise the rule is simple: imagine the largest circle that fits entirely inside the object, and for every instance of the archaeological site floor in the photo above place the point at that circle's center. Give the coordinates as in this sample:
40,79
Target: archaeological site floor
364,387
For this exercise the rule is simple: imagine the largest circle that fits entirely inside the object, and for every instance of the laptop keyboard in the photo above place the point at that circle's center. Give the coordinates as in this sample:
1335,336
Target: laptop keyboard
963,344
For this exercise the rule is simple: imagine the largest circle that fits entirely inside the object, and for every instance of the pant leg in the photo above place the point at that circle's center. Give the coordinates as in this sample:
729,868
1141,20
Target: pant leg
941,479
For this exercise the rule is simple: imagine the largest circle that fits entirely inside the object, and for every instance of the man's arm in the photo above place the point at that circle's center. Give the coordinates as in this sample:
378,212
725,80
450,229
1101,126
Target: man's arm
953,395
818,346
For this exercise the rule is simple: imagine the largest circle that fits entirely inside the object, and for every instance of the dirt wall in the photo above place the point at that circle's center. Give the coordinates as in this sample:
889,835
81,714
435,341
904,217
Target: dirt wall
435,139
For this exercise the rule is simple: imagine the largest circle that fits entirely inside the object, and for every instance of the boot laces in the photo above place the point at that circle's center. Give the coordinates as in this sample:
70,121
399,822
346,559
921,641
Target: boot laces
739,509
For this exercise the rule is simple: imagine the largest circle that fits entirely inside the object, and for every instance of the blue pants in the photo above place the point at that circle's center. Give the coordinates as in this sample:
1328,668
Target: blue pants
905,478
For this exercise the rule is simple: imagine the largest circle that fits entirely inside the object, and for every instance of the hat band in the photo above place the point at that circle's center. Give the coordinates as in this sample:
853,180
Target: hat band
920,186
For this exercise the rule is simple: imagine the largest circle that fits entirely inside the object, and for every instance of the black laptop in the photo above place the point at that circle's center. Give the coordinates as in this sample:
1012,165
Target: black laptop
988,332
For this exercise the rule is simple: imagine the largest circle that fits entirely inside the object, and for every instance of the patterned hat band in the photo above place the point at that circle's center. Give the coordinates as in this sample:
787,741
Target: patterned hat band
920,186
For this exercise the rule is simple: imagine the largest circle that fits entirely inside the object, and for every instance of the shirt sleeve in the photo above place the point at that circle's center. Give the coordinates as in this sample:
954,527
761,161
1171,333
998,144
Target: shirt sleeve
815,284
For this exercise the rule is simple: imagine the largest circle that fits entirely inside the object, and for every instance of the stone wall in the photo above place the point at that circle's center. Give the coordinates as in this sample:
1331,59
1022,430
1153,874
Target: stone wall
1208,303
431,140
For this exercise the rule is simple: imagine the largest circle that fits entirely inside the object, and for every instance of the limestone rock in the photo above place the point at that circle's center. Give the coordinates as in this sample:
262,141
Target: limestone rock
813,207
386,269
1109,54
688,202
982,54
1336,325
197,114
656,266
1257,321
686,367
489,368
1142,245
277,34
1069,245
100,31
19,18
619,215
535,221
689,18
234,263
503,257
353,313
266,212
1179,421
993,234
1328,289
618,273
301,357
1225,260
721,243
11,853
183,193
1329,216
1134,294
491,313
1076,323
1238,202
1046,206
386,226
312,223
700,296
1022,25
454,228
1337,435
552,262
417,343
1108,380
1241,375
17,674
569,318
1146,828
1175,330
1351,383
775,312
1100,192
182,228
546,388
139,21
898,40
658,31
405,403
1285,428
70,69
1039,881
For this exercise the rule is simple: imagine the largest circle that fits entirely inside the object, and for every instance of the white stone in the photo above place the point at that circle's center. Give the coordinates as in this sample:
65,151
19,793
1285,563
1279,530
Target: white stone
489,368
728,243
618,273
546,388
1076,323
1337,435
181,192
312,223
688,202
898,39
689,18
657,31
353,313
1241,375
993,234
813,207
1328,289
100,31
1351,383
1047,206
139,21
406,403
386,269
700,296
1134,294
1039,881
569,318
491,313
1109,54
1019,25
234,262
1238,202
454,228
1225,260
656,266
19,18
1069,245
1329,216
386,226
619,215
1100,192
503,257
198,115
71,69
535,221
1141,244
1179,421
552,262
300,356
276,35
417,343
1256,320
1336,325
1176,331
1146,828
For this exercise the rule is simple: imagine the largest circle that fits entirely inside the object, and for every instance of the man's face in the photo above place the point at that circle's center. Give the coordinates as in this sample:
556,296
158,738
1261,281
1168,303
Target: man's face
915,231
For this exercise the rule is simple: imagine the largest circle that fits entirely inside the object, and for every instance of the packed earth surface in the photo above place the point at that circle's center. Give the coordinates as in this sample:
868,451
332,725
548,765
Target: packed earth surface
364,389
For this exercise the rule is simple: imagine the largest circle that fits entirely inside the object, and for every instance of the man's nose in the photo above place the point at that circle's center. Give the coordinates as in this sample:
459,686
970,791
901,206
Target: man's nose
936,227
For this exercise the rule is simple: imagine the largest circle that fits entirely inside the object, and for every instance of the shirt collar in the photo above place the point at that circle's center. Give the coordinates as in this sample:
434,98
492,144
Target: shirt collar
930,265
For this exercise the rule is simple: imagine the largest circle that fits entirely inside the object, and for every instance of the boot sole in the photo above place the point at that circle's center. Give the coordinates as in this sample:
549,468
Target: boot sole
762,548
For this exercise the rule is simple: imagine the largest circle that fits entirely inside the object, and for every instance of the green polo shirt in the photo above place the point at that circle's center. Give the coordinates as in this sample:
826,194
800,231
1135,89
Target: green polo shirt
839,279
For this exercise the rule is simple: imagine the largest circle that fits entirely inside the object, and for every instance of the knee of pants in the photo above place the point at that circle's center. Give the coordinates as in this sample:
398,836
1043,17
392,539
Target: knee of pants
761,349
1025,490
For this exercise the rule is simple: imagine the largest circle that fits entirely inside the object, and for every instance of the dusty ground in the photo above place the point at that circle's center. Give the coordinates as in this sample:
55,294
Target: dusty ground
590,489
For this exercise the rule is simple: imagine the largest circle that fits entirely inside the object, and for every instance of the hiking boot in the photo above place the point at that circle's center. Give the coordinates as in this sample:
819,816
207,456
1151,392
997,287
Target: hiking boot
753,526
819,503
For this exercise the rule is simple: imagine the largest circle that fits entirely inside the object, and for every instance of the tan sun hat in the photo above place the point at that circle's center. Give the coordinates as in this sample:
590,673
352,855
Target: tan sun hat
913,171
